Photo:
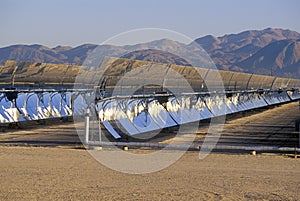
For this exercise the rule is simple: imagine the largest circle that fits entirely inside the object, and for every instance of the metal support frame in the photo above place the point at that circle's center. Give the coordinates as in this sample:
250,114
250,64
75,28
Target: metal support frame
87,125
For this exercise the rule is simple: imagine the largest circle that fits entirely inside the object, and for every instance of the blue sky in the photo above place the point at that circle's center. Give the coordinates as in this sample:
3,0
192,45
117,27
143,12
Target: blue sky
71,22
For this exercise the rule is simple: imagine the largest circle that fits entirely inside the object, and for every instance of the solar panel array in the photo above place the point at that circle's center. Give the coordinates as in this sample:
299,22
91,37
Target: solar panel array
33,91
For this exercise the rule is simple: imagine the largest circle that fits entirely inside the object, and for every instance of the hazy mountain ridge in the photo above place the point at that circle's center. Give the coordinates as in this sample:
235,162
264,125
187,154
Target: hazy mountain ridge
39,53
280,57
268,51
156,56
231,49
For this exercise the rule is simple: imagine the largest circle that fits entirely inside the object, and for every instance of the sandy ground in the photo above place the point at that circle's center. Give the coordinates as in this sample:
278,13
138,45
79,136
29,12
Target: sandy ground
40,173
65,173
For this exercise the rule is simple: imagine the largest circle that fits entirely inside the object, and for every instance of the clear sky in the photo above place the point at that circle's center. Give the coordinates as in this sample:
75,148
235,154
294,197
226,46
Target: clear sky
75,22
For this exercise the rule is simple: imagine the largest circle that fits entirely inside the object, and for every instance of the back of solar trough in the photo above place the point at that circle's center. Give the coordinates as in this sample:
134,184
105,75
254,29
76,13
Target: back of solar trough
130,97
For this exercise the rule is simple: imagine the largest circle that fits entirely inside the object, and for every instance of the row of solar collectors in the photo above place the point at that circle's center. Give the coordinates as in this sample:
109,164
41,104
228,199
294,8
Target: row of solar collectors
294,95
112,70
133,117
32,106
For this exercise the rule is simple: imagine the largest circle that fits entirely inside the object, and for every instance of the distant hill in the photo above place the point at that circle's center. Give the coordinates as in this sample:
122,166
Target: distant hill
39,53
156,56
280,57
230,49
268,51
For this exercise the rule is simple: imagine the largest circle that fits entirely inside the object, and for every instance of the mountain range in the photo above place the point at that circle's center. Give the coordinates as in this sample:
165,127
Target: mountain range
269,51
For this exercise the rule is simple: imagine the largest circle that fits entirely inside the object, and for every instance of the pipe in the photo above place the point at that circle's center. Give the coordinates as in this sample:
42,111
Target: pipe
87,125
204,147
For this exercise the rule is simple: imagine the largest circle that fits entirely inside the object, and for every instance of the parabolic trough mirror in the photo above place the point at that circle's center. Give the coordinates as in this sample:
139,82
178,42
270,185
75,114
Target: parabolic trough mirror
128,103
133,101
133,97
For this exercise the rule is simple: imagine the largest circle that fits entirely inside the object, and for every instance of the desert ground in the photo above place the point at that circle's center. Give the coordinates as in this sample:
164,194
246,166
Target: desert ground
66,172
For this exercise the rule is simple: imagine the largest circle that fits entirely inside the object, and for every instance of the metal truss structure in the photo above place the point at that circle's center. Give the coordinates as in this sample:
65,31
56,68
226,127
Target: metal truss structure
135,105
